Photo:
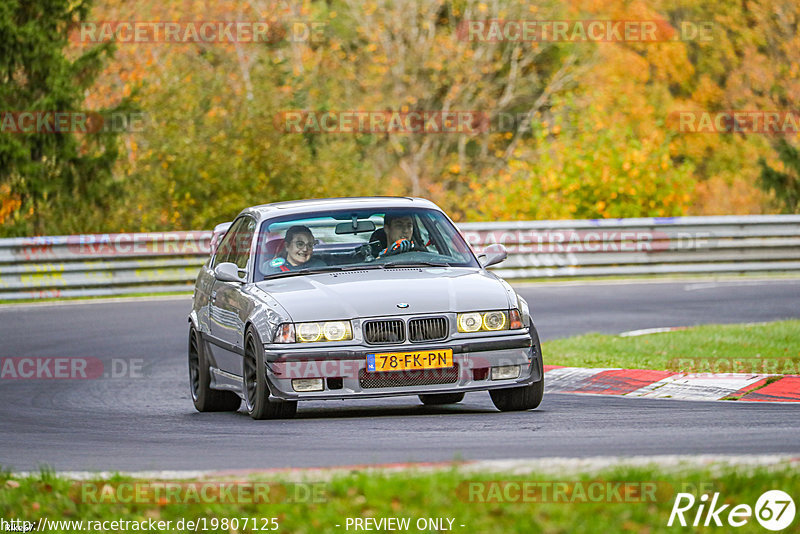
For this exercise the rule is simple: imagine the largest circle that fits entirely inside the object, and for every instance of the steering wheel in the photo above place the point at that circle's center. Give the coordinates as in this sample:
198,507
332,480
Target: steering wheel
414,248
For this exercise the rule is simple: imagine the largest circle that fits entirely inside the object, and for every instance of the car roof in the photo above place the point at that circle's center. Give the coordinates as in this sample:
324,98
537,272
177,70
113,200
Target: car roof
292,207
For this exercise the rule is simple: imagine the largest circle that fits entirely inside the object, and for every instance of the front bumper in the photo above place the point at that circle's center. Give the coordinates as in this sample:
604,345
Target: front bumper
344,373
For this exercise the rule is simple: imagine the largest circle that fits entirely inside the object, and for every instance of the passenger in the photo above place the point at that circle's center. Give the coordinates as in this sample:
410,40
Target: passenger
297,253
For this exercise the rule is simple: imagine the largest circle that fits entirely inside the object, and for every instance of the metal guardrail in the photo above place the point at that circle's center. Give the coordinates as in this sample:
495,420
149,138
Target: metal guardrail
103,264
643,246
119,264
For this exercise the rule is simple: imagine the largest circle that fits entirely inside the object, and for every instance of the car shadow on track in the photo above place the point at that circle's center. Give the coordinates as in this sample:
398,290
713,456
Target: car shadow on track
372,412
342,410
387,411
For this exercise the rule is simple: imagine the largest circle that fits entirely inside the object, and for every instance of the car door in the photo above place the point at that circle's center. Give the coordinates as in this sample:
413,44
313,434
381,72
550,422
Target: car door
229,305
202,295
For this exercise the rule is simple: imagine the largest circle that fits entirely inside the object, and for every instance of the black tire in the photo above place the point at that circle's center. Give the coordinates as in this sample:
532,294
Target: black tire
256,391
435,399
204,398
525,397
518,399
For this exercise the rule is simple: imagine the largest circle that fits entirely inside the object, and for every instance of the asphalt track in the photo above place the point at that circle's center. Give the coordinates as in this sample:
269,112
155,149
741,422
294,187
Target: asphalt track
148,422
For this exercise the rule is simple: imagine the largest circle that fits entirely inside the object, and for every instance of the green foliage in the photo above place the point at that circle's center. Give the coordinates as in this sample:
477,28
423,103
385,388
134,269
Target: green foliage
784,185
584,165
49,182
589,134
630,498
210,151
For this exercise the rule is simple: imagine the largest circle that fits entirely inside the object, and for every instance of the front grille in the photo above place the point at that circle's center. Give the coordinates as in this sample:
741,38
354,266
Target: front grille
431,329
384,332
422,377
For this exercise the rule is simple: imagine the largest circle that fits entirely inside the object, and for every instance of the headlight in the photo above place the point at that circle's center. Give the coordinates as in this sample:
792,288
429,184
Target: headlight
489,321
337,331
495,321
469,322
309,332
314,332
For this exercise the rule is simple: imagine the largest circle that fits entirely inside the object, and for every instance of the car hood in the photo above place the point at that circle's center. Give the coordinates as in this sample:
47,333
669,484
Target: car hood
373,293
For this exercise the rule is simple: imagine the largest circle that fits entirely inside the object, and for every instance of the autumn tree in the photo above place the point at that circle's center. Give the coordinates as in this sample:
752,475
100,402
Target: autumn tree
575,129
49,182
751,62
784,184
407,55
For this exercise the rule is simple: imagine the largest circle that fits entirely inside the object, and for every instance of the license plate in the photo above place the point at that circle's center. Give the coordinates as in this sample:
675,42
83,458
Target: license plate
404,361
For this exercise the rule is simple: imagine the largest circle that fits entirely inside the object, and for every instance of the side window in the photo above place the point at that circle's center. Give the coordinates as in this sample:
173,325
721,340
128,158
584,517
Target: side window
425,235
224,249
447,242
243,240
227,250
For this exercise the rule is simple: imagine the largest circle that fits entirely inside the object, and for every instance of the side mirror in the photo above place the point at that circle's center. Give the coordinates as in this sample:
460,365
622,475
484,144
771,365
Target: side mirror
228,272
493,255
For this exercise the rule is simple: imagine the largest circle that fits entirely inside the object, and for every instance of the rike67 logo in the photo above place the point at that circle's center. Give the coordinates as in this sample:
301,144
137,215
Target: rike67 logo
774,510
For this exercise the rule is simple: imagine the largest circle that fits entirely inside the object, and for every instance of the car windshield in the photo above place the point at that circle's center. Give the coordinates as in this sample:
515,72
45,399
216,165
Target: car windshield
359,239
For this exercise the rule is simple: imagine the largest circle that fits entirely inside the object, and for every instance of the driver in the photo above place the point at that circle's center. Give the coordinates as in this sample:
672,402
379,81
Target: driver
399,234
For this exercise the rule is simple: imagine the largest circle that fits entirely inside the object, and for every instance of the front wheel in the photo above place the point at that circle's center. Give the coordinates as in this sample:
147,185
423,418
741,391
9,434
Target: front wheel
525,397
435,399
518,399
256,392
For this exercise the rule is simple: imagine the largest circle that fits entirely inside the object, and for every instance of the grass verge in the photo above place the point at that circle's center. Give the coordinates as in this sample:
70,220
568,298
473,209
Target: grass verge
620,499
772,348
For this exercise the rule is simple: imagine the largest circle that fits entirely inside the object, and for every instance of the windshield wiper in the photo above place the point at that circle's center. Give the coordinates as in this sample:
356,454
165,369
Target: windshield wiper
303,271
363,267
393,264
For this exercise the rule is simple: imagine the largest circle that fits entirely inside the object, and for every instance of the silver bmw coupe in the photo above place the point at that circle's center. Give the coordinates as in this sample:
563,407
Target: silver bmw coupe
355,298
